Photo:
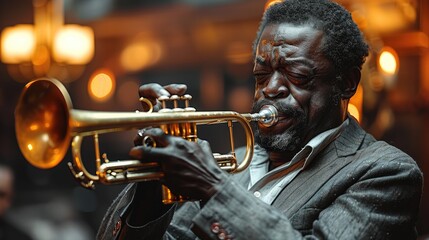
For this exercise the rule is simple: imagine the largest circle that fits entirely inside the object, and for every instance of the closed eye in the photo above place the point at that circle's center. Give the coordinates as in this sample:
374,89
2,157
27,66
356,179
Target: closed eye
261,77
298,79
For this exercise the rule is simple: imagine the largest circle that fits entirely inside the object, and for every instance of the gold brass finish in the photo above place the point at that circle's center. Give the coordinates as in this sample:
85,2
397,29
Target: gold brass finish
46,123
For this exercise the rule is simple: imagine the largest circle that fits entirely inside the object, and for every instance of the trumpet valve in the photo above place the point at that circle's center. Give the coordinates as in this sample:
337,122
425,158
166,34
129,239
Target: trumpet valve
163,100
187,98
175,99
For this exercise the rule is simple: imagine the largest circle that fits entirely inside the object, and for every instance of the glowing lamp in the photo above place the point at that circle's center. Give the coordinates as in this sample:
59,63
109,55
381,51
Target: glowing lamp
48,47
74,44
17,44
388,61
101,85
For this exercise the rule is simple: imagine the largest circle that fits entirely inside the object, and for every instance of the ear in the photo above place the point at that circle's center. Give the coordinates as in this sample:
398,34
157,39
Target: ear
350,82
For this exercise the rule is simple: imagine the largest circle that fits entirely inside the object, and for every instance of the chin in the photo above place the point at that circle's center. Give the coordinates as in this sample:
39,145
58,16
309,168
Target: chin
288,140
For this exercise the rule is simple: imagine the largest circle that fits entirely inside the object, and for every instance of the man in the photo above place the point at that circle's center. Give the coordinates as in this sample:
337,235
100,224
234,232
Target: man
315,174
8,231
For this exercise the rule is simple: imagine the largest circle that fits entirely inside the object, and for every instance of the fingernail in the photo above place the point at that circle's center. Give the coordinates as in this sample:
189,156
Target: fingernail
164,92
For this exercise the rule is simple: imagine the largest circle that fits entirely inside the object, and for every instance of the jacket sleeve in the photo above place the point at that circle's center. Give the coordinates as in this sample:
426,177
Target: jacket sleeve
234,213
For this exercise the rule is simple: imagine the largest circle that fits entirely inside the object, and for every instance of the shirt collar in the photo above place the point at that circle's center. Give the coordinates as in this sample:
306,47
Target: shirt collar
318,143
260,164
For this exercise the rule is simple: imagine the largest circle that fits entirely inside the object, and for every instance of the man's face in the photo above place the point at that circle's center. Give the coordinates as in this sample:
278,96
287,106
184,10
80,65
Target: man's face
292,74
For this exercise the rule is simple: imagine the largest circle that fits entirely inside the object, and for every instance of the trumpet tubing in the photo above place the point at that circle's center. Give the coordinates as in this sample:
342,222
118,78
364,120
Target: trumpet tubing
46,124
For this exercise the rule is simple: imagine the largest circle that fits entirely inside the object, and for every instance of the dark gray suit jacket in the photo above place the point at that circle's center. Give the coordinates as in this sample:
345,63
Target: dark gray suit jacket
356,188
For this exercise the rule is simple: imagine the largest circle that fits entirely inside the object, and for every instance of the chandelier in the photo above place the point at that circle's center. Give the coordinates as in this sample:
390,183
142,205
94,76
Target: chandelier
47,48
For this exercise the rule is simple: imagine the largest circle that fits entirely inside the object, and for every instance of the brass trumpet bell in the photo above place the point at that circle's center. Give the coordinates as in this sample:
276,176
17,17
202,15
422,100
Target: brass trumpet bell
42,123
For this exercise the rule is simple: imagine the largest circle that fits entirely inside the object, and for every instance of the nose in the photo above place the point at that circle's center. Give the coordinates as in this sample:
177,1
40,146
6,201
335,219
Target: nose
276,87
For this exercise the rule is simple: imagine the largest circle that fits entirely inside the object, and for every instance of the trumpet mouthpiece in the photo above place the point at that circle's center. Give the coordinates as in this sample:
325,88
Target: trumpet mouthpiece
267,116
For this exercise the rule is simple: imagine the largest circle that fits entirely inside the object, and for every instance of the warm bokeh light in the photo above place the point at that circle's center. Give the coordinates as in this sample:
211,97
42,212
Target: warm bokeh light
356,103
101,85
353,110
74,44
140,55
388,61
17,44
34,127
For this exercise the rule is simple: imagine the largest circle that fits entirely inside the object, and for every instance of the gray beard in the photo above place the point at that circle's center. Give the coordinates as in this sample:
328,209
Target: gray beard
289,140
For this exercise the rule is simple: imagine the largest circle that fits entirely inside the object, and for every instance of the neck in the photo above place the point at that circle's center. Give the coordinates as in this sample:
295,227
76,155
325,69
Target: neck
344,105
279,158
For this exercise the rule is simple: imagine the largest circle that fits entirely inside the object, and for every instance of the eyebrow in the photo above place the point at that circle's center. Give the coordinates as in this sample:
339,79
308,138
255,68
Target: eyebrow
305,62
263,61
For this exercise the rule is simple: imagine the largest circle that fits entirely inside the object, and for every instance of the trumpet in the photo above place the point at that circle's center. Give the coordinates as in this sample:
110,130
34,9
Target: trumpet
46,124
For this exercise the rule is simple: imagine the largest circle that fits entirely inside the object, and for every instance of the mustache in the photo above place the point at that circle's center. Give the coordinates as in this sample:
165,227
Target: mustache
283,109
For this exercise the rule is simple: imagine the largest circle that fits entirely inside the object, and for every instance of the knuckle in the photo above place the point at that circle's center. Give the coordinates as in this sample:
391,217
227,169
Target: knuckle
181,143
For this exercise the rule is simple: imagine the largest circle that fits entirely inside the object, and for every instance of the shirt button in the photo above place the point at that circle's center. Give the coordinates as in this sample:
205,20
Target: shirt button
215,227
117,227
257,194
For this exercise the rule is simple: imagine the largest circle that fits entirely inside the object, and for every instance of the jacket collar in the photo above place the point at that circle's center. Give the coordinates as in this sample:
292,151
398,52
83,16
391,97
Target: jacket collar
350,141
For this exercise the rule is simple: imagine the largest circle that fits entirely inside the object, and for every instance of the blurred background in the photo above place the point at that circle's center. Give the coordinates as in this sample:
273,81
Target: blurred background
102,50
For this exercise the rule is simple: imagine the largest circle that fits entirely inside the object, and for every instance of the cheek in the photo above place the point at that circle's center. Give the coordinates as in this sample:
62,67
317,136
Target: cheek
319,105
302,98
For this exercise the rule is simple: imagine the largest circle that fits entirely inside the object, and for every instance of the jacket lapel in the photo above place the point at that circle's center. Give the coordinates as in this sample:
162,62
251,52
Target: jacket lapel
333,158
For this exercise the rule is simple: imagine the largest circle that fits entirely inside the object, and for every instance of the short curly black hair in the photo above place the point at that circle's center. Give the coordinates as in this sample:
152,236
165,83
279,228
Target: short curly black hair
344,44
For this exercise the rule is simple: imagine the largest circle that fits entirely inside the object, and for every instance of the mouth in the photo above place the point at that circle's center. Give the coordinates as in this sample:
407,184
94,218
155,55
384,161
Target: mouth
286,116
283,124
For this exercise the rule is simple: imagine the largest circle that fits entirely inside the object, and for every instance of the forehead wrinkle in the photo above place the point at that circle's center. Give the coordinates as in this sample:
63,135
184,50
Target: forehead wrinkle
282,53
290,33
272,51
276,55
